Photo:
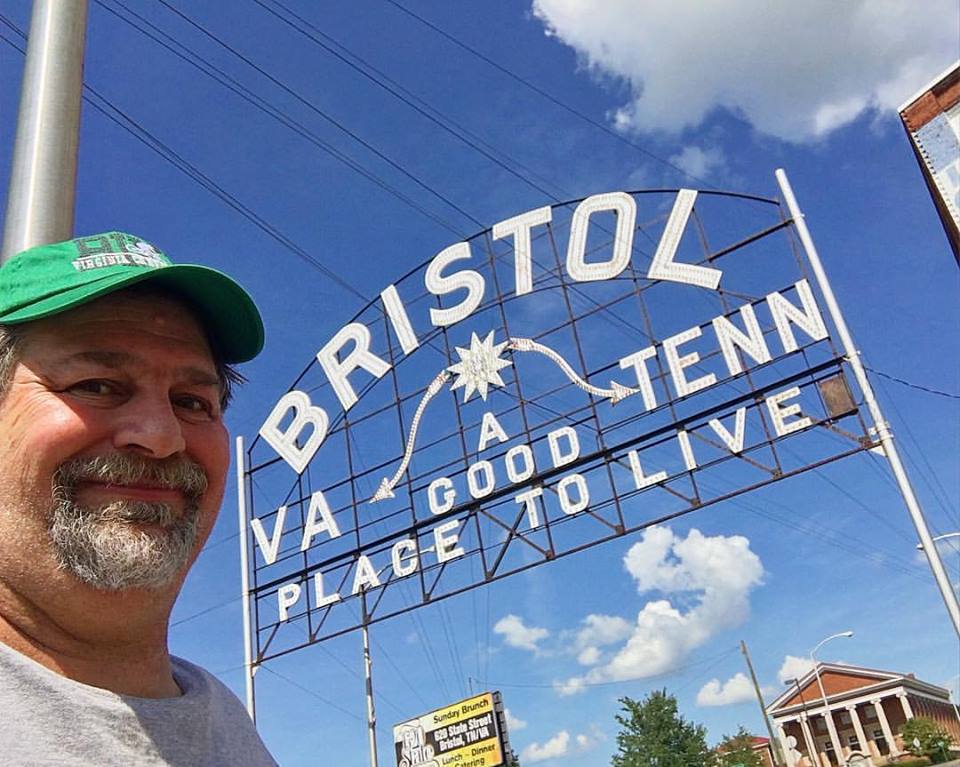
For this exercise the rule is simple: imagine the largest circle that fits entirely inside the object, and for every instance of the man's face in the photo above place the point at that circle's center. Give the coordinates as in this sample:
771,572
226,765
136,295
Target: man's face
113,453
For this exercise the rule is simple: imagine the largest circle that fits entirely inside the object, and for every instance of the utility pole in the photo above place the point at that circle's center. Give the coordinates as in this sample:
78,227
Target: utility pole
778,758
43,180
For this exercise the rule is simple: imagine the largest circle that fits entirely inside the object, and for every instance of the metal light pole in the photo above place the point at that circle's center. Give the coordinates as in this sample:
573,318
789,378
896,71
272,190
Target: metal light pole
939,538
811,747
881,427
44,175
831,728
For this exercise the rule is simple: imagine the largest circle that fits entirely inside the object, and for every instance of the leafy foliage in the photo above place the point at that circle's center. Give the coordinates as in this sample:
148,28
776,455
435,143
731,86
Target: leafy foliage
736,751
652,732
933,739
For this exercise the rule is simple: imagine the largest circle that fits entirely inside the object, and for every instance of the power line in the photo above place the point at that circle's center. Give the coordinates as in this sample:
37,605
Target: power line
246,94
672,672
311,32
912,385
321,113
551,98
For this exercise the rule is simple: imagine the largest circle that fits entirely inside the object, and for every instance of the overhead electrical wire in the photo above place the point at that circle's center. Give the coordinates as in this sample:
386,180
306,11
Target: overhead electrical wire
246,94
550,97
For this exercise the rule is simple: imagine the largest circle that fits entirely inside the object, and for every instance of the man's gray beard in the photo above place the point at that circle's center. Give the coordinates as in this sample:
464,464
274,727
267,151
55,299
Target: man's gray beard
105,547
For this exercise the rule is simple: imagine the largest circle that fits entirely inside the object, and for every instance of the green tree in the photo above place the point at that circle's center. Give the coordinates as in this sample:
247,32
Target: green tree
652,733
736,751
933,740
513,760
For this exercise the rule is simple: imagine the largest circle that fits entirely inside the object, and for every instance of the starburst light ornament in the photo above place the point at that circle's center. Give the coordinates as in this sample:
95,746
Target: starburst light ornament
478,366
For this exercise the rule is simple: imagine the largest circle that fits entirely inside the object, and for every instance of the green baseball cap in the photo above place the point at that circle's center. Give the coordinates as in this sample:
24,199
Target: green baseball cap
50,279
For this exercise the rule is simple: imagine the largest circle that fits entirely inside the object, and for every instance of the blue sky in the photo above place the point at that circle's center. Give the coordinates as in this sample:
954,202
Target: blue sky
725,97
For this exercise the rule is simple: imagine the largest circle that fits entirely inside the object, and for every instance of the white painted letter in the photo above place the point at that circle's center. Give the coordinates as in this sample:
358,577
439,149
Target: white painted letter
320,597
490,429
623,205
688,460
568,506
559,457
808,320
399,319
513,473
638,478
638,361
519,227
478,490
440,285
449,495
734,442
269,548
752,342
401,567
446,545
318,506
359,357
286,442
678,363
528,500
365,577
779,414
663,267
287,596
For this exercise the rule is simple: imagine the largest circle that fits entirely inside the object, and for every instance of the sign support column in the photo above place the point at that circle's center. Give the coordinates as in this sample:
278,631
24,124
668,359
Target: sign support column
368,674
245,576
880,425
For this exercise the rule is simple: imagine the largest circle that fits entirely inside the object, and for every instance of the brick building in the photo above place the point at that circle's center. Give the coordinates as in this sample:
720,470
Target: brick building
868,708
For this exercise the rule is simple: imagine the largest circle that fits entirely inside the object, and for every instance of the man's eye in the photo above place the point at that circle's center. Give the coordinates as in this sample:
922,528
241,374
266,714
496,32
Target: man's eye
195,405
95,387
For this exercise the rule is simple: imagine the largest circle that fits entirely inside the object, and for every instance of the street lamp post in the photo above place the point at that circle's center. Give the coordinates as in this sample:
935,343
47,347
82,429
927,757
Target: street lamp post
811,747
831,728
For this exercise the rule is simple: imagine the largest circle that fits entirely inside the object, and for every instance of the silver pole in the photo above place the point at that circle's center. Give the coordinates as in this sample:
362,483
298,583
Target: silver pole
368,674
881,427
43,179
245,575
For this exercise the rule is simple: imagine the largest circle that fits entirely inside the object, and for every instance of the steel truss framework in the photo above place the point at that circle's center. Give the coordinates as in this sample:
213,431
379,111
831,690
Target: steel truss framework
591,326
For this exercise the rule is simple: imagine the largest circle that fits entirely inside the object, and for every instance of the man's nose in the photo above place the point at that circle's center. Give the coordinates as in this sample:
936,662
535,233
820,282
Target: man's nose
150,426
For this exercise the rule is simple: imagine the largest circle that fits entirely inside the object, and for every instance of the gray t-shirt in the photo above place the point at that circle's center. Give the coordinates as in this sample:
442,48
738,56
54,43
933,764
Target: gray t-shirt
47,720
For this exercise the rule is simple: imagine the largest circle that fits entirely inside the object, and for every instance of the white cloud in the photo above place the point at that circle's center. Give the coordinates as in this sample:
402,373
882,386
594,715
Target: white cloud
514,723
793,668
555,747
737,689
793,70
710,577
516,634
562,745
598,631
699,163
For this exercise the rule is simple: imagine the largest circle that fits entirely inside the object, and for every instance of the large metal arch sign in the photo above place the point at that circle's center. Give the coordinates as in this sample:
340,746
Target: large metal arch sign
571,375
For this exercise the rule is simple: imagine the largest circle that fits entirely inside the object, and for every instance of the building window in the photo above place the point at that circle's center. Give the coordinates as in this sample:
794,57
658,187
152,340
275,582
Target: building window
853,742
881,742
844,717
869,712
827,747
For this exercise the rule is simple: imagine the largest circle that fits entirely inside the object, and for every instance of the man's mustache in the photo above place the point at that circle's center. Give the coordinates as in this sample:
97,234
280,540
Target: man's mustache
173,473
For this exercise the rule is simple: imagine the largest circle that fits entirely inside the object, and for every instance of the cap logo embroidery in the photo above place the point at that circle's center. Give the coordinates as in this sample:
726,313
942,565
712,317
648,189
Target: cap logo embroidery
104,260
131,252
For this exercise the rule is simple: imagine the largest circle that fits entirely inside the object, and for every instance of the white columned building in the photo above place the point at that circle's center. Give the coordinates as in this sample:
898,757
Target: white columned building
867,706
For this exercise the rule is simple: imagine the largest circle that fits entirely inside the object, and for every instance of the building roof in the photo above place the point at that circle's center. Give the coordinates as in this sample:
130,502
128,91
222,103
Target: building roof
844,681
